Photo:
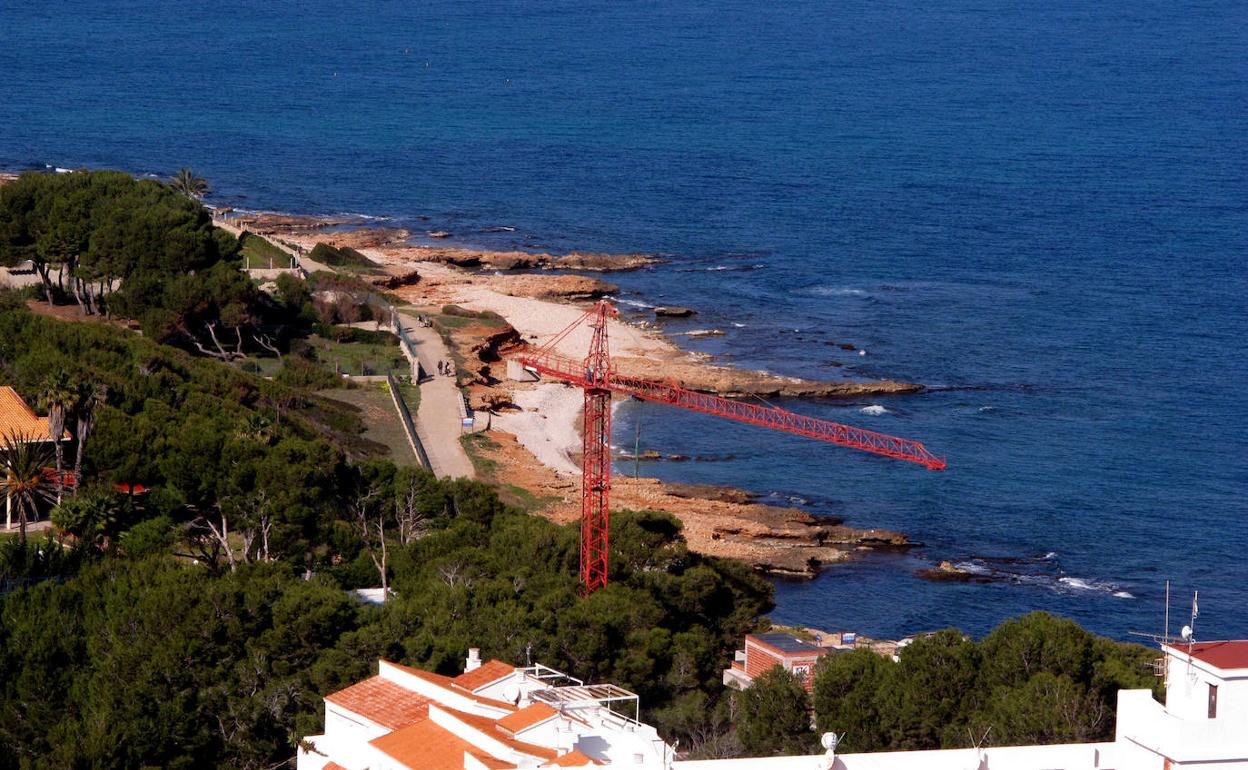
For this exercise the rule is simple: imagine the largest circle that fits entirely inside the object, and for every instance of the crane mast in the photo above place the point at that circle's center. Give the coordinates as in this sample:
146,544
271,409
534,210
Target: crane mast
598,380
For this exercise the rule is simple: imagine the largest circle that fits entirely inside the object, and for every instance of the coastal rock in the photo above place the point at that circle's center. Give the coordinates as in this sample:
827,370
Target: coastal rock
409,278
674,312
519,260
489,399
947,571
575,288
367,237
271,222
584,260
439,234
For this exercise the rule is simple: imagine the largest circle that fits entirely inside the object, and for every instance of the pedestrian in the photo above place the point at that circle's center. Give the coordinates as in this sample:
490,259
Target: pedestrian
439,367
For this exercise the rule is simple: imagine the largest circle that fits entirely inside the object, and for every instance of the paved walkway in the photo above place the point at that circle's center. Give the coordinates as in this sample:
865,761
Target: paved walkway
438,420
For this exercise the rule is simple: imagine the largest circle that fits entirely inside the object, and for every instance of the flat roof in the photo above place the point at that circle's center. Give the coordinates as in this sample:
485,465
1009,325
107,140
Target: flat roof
1225,654
785,642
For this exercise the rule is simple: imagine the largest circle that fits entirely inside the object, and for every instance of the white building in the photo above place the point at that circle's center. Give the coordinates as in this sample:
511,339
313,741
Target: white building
491,717
497,717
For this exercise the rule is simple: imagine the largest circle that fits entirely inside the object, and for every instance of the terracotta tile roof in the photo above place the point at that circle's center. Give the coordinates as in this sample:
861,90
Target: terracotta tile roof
527,717
428,746
1231,654
572,759
491,728
488,673
331,765
450,684
19,420
382,701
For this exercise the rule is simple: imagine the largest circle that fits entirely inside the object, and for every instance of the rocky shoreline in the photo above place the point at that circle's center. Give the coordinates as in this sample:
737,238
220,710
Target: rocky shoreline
505,301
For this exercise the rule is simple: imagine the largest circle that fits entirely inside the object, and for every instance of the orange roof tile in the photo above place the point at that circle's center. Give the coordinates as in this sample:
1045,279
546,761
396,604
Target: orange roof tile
17,420
382,701
427,746
450,684
332,765
572,759
491,728
526,717
487,673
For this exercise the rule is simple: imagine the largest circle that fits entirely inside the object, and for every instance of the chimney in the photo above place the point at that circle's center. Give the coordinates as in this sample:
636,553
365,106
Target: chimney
474,660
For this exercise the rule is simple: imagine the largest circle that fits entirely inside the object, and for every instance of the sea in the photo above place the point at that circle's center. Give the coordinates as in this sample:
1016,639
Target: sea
1037,209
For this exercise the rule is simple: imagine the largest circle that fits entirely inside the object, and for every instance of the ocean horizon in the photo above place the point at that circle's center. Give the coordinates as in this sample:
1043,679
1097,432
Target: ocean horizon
1039,212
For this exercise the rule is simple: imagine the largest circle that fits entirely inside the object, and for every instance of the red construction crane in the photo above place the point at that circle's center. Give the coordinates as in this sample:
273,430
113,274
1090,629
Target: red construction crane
595,376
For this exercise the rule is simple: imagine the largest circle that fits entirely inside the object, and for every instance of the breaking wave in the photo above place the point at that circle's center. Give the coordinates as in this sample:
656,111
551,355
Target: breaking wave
837,291
1041,571
874,409
632,303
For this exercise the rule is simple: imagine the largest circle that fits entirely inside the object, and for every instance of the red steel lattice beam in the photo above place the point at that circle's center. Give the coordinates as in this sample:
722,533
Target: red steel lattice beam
599,381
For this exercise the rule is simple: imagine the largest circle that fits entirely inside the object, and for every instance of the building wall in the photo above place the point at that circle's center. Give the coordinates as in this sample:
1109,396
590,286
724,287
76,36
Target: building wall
759,659
1071,756
1187,689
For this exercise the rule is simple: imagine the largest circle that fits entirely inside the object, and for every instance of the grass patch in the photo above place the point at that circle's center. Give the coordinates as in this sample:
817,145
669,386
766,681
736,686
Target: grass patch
381,422
340,257
524,499
411,396
473,444
259,254
359,358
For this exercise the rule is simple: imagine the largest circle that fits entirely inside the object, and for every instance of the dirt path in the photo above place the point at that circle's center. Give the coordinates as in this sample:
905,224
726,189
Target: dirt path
438,420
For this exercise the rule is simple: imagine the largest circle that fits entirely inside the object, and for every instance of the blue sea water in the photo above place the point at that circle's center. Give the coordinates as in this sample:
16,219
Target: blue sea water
1039,209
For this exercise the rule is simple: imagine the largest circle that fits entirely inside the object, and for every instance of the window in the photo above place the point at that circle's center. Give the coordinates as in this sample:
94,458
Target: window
1213,701
802,672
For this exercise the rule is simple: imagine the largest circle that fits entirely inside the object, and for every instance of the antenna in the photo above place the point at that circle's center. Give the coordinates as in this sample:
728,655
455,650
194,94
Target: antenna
1166,634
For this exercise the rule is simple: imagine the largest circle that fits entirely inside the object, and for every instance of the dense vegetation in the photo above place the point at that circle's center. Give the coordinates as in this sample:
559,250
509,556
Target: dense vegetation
133,248
1034,679
180,630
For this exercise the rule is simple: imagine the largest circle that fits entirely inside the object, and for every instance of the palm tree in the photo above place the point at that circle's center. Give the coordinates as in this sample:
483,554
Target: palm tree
57,397
190,185
91,396
24,479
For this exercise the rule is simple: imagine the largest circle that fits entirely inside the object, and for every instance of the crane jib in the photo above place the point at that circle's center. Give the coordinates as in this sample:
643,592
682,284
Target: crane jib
574,372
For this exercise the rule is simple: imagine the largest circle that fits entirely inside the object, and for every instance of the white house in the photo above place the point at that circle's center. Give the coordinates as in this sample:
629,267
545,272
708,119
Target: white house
497,717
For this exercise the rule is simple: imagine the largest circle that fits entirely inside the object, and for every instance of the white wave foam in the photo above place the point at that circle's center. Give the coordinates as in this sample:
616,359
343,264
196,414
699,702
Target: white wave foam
874,409
1078,583
838,291
1051,555
972,568
631,302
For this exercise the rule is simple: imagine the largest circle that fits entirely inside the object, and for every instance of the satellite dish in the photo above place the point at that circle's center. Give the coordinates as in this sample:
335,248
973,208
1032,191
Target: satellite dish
511,693
830,740
1186,633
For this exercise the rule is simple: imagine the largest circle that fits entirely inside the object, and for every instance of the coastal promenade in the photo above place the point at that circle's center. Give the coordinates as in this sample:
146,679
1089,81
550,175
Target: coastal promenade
438,421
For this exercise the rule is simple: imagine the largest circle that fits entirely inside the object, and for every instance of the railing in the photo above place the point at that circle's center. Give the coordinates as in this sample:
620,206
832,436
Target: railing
409,427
